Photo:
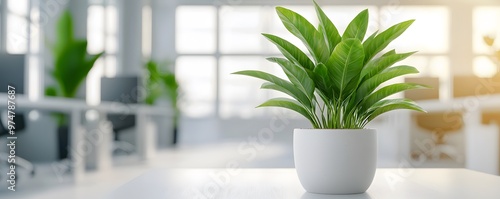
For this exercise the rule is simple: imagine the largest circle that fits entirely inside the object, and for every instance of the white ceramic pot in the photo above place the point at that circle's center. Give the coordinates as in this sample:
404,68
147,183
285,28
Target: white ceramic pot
335,161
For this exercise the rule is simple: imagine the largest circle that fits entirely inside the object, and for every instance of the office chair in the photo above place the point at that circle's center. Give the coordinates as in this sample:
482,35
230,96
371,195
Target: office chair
4,132
120,90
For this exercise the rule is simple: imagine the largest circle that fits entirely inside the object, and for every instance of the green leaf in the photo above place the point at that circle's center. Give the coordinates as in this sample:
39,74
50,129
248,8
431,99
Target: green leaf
394,104
328,29
51,91
368,86
375,66
296,75
388,91
357,27
64,32
323,81
345,64
294,91
384,38
306,32
291,52
289,104
391,52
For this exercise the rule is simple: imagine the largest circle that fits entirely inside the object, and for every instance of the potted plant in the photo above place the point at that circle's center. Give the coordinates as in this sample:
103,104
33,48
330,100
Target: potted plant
337,89
163,84
71,66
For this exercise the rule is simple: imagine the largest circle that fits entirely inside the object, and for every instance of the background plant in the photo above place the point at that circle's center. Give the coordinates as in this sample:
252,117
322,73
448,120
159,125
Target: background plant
160,84
337,86
72,63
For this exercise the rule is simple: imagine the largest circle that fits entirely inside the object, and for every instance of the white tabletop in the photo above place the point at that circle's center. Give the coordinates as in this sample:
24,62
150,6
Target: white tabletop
284,184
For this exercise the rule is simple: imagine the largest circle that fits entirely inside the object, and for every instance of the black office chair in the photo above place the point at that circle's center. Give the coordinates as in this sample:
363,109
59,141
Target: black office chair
20,124
120,90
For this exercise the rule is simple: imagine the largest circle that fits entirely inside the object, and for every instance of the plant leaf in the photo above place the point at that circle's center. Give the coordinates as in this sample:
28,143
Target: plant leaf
357,27
375,66
368,86
327,28
294,91
323,81
388,91
291,52
394,104
345,63
306,32
384,38
289,104
296,75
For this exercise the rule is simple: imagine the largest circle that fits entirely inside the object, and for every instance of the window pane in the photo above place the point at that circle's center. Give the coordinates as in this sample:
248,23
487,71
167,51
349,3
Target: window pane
428,34
196,75
111,29
195,29
18,7
17,34
240,28
486,22
239,94
484,67
95,29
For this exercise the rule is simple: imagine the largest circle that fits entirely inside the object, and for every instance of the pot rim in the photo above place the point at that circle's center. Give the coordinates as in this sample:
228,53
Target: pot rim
370,129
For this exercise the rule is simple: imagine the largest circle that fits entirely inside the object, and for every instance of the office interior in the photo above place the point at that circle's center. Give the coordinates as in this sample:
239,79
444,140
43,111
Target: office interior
202,42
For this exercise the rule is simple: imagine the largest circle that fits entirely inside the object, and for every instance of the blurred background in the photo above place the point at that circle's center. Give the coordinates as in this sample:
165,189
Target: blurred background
160,93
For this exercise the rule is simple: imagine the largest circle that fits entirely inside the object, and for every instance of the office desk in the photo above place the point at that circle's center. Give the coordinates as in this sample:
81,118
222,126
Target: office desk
75,108
284,184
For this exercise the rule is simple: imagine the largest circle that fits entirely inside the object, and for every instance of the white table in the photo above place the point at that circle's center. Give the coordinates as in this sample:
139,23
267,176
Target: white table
75,108
284,184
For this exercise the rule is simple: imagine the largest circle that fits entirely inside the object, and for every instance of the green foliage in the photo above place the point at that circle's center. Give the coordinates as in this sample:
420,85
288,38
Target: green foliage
340,85
162,84
71,61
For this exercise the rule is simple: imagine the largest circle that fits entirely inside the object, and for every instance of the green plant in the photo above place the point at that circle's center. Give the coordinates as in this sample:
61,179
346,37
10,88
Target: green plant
159,83
71,61
337,89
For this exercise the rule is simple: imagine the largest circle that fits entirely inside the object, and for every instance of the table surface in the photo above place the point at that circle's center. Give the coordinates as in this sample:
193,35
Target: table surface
284,184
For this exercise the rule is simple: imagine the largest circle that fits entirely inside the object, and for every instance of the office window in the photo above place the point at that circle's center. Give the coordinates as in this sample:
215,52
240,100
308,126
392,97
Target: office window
17,26
486,22
197,77
195,29
102,36
429,35
230,36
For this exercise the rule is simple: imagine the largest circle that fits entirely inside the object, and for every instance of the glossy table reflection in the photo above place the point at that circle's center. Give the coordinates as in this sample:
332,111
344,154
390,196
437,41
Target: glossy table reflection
284,184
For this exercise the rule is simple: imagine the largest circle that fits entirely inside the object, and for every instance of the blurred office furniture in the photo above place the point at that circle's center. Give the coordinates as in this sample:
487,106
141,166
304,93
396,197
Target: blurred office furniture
123,91
12,74
481,140
489,117
470,86
20,125
439,123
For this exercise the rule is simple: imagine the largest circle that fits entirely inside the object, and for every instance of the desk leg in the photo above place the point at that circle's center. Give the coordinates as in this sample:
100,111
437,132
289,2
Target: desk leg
104,145
77,145
145,136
